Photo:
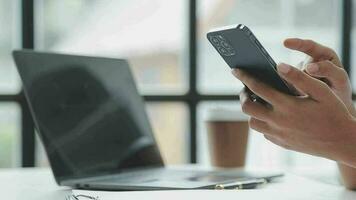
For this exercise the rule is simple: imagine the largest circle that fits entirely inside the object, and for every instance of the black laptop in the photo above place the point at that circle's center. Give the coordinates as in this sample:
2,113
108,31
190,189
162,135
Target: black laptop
95,130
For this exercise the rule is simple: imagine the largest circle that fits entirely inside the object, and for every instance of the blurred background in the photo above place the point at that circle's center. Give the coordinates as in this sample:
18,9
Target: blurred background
178,73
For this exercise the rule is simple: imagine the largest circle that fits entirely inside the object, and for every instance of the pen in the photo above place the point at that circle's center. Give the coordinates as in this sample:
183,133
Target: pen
238,185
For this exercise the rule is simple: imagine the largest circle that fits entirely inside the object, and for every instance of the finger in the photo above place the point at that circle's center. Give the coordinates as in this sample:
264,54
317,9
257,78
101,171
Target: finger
313,49
259,126
254,109
264,91
314,88
335,76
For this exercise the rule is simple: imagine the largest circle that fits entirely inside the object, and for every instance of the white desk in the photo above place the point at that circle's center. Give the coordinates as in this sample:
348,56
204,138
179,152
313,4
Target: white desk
38,184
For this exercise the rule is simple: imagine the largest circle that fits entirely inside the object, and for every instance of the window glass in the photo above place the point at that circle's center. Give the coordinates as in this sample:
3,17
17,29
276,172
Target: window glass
151,34
10,135
9,84
9,39
170,126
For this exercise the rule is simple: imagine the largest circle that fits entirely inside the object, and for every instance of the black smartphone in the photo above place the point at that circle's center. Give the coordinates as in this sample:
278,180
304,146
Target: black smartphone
239,47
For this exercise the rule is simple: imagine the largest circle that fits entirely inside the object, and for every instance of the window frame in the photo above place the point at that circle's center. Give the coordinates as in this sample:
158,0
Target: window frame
191,98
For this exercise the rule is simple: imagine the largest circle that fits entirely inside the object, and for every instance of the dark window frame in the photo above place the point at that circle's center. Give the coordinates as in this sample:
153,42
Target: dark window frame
192,98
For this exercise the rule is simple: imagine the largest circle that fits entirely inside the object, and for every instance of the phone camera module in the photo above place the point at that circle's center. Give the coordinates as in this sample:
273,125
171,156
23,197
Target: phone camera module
222,45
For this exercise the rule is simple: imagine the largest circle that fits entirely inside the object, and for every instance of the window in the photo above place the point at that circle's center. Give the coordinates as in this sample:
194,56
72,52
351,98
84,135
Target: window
171,59
149,33
9,39
170,123
9,85
10,135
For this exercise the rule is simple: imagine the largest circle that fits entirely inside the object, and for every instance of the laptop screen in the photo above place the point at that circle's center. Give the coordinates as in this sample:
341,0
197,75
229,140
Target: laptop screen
88,113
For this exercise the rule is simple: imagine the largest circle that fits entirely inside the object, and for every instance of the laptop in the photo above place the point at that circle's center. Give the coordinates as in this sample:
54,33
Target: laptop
95,130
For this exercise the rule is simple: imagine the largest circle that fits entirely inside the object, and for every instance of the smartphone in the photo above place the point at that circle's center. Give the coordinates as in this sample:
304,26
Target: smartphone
239,47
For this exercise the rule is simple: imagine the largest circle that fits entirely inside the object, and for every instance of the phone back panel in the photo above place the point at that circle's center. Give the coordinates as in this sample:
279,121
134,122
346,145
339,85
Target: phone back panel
240,49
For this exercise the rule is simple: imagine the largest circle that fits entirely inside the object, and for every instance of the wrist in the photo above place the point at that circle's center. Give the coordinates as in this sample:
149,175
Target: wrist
348,176
347,153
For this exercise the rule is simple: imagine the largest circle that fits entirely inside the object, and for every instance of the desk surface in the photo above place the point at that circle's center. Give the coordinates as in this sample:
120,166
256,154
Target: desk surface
38,184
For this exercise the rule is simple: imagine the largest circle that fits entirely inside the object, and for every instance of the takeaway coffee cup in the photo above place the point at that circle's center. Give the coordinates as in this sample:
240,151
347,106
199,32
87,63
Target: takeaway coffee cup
227,137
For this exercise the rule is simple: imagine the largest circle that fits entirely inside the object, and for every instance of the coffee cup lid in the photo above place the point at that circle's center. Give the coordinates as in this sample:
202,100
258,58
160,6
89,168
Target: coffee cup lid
224,114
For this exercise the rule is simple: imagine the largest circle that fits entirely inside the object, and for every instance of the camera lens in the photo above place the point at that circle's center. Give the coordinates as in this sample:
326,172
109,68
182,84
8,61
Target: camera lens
223,51
226,52
226,45
221,38
215,40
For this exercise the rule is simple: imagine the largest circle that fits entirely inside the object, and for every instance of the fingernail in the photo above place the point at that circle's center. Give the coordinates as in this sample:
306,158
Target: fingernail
283,68
312,68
